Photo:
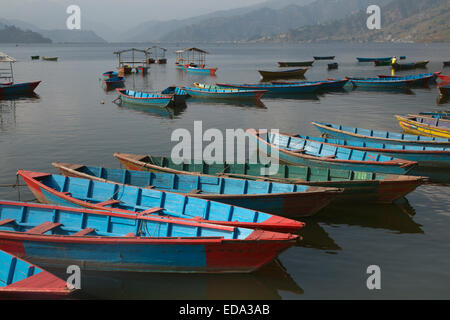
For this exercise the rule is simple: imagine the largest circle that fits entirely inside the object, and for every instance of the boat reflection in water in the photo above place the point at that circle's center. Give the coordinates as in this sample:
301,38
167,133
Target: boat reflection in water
8,109
262,284
257,104
397,217
384,90
170,112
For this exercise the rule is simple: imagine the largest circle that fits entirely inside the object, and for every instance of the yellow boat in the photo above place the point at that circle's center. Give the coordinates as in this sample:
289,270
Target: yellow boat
425,126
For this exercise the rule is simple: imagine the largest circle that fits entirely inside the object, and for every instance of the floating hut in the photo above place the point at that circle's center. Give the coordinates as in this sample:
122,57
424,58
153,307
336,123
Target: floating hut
127,64
158,55
190,56
6,73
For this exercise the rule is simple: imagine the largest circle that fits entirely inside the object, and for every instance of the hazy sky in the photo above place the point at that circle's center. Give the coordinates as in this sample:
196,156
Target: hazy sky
52,13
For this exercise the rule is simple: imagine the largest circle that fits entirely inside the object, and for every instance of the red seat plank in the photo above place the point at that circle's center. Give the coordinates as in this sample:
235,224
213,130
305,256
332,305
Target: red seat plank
107,202
43,227
83,232
151,210
6,221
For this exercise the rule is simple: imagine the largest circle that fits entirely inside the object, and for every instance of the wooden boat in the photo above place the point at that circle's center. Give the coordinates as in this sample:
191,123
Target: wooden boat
422,79
110,241
379,63
446,63
349,133
294,73
17,89
114,82
333,66
425,126
297,151
358,186
204,91
443,89
162,61
287,200
324,84
445,78
125,70
381,83
35,57
178,95
114,197
110,74
324,58
424,156
143,98
201,70
295,88
50,58
385,59
411,65
437,114
19,279
296,64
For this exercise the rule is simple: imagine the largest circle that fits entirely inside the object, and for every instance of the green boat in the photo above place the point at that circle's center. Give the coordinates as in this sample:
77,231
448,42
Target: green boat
366,187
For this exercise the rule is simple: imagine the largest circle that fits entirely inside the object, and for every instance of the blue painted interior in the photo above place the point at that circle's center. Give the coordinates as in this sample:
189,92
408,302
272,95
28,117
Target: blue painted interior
13,270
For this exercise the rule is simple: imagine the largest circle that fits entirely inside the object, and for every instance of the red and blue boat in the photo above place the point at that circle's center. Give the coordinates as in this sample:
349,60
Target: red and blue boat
288,200
144,98
107,241
419,79
117,197
20,279
215,92
296,151
368,135
17,89
296,88
329,84
114,82
200,70
110,74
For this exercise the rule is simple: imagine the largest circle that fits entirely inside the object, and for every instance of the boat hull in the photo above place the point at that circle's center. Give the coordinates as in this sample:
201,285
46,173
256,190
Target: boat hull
385,59
277,89
369,136
359,187
415,127
282,74
162,101
290,157
226,94
296,64
205,71
18,89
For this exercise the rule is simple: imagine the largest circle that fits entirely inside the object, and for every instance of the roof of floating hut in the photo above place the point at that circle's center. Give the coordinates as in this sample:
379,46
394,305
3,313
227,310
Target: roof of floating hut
191,49
5,58
132,49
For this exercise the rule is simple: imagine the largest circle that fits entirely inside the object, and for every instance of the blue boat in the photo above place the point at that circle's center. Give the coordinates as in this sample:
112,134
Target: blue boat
114,82
205,91
20,279
115,197
368,135
374,59
144,98
297,151
288,200
201,70
277,88
105,241
329,84
381,83
17,89
110,74
424,156
419,79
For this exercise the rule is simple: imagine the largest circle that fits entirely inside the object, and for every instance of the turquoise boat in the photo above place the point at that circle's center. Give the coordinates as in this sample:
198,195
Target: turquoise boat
120,198
419,79
381,83
368,135
324,84
288,200
201,70
424,156
143,98
59,237
20,279
277,88
297,151
204,91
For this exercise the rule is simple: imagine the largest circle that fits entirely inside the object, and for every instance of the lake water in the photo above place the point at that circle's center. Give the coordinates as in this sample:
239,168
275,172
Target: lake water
409,240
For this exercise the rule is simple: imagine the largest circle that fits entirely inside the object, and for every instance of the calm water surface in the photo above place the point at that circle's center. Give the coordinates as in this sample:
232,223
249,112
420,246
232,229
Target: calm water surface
409,240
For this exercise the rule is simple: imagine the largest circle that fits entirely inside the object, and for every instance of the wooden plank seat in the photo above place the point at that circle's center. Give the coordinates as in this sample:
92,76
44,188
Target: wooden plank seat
44,227
108,202
195,191
83,232
150,211
6,221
